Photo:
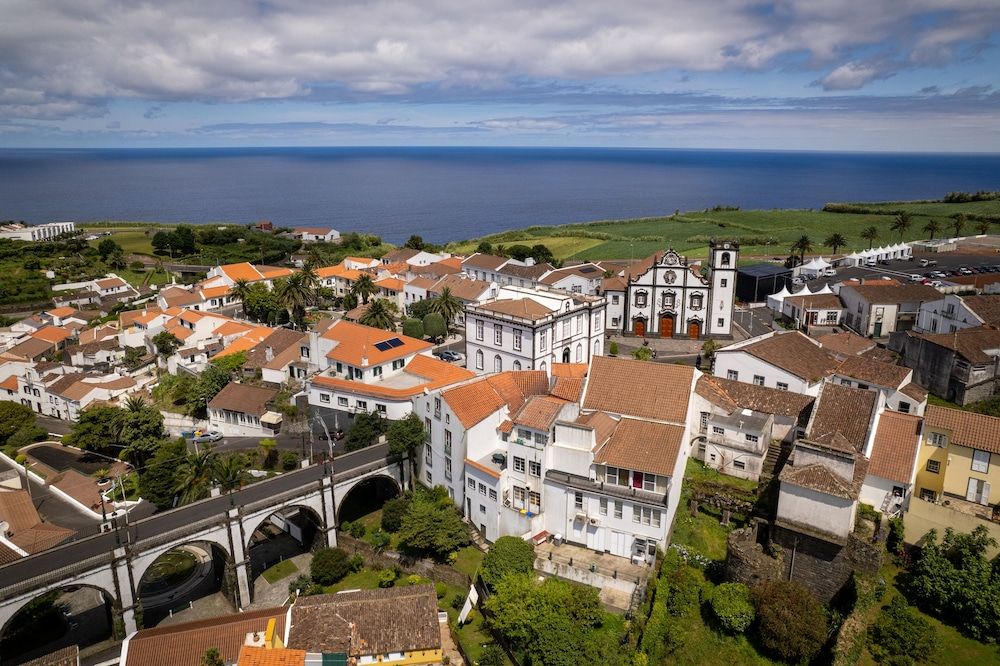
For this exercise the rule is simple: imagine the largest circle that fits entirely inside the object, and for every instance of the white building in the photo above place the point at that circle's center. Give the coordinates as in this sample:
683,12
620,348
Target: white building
789,361
579,279
39,232
530,329
880,307
667,296
954,313
316,234
892,467
242,410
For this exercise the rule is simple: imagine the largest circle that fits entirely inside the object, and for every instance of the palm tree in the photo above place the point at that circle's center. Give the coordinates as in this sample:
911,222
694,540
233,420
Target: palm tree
135,403
309,277
932,227
194,475
240,290
268,450
802,245
315,257
902,224
958,223
231,472
870,234
835,242
446,305
500,251
379,315
983,227
364,288
294,295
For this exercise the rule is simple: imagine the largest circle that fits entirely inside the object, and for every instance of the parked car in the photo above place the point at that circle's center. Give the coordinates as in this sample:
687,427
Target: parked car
916,278
448,355
928,262
205,436
829,272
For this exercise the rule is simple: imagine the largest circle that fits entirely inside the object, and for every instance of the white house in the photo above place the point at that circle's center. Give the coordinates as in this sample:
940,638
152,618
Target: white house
316,234
579,279
892,467
789,361
954,313
242,410
879,307
530,329
894,382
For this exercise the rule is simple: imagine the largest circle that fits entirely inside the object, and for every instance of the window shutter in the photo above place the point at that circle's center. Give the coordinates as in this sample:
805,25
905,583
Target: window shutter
986,494
970,493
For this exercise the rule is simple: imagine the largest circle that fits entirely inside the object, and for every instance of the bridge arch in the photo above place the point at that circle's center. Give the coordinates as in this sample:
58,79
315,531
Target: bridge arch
182,574
284,533
367,495
71,614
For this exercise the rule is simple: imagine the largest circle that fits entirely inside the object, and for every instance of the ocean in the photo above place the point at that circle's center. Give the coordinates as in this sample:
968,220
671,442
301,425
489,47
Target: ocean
447,194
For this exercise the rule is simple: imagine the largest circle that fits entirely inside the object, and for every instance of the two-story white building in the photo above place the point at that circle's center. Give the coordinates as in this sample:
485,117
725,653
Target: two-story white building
953,313
789,361
530,329
877,308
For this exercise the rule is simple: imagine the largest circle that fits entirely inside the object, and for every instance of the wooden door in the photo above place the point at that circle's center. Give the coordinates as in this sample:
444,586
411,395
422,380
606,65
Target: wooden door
639,327
666,326
694,330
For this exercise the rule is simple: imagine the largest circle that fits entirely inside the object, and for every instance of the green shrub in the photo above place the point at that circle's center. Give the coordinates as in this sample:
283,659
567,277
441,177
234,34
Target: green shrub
791,623
21,459
329,565
730,603
897,534
413,328
357,563
458,601
901,636
393,512
379,540
387,578
440,589
492,655
304,586
289,460
25,435
509,554
613,348
358,529
869,512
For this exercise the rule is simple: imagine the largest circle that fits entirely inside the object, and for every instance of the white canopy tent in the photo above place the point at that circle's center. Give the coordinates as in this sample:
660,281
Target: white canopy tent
815,266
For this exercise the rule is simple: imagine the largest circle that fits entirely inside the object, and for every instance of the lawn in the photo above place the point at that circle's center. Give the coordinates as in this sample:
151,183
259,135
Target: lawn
366,579
761,232
282,569
698,471
469,559
132,240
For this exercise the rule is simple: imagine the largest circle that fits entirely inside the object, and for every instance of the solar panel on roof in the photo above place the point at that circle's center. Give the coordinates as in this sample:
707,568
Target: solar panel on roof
386,345
382,346
588,269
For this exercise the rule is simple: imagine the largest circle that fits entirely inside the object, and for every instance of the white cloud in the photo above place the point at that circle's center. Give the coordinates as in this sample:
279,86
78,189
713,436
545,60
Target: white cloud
853,76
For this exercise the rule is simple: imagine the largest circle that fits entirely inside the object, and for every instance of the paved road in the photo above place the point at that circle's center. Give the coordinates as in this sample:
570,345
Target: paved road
53,426
755,321
160,523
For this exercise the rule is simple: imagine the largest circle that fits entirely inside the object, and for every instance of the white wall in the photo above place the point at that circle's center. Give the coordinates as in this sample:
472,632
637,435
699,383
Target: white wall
834,515
748,365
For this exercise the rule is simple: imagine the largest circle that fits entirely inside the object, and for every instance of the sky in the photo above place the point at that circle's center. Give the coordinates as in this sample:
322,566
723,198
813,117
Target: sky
855,75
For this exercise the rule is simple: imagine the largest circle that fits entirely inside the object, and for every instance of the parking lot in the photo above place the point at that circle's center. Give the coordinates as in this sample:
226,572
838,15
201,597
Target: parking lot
948,263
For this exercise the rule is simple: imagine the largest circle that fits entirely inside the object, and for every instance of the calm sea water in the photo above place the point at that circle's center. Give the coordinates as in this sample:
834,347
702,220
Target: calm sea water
454,193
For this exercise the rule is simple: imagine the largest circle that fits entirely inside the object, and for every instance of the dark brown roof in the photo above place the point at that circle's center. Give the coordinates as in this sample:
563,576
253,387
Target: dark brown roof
67,656
817,477
26,529
184,644
462,288
816,302
844,410
639,388
614,283
487,261
889,291
643,446
915,391
525,308
795,353
970,343
588,271
969,429
530,272
399,254
870,371
986,307
732,395
29,349
278,341
894,451
243,398
399,619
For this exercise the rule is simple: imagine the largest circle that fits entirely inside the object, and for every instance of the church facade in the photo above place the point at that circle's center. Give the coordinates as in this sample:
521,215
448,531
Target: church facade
666,296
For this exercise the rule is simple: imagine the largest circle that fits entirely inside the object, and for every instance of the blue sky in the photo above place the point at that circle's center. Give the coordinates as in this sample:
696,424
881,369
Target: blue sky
899,75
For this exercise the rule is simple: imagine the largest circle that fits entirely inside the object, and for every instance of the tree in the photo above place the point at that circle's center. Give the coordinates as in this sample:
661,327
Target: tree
393,512
184,240
294,294
212,658
958,223
419,309
414,242
613,348
13,416
901,636
158,478
642,354
802,245
166,343
241,290
902,224
434,326
413,328
97,429
983,227
117,258
405,438
379,314
268,452
329,565
140,430
492,655
230,472
508,555
835,242
263,305
162,241
932,227
730,604
106,247
364,288
790,622
366,429
484,247
447,305
212,380
432,526
869,234
194,475
541,254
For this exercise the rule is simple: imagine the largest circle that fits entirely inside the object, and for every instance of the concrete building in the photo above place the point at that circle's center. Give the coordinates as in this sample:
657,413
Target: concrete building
961,367
956,458
242,410
877,308
38,232
953,313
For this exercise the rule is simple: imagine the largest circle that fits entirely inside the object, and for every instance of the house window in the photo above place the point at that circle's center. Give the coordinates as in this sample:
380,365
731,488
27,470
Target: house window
927,495
579,353
723,282
938,439
493,495
324,397
304,352
703,422
429,477
482,489
380,409
933,466
614,322
534,501
428,457
517,365
479,359
615,476
517,339
640,299
758,380
782,386
904,407
447,442
519,495
482,508
437,408
447,469
578,500
543,340
696,301
397,364
614,299
980,461
565,328
377,371
752,438
739,464
649,482
618,509
341,401
519,464
733,375
720,322
604,506
718,430
427,428
472,484
497,363
479,329
534,468
497,334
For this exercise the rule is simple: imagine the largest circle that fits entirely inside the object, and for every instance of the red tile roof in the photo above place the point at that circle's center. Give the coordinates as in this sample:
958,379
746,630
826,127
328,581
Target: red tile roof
639,388
643,446
894,451
356,344
969,429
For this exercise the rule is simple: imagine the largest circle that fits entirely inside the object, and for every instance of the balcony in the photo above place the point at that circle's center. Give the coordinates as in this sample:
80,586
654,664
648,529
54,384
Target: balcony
609,489
758,448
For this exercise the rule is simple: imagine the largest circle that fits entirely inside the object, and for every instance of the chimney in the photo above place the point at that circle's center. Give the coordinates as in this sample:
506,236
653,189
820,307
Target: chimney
269,353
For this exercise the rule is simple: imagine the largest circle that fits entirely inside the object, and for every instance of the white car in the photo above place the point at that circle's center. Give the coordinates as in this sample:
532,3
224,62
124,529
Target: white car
916,278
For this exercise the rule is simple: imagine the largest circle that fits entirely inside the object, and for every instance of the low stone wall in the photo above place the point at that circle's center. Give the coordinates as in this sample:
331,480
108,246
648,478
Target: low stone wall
391,559
746,561
825,567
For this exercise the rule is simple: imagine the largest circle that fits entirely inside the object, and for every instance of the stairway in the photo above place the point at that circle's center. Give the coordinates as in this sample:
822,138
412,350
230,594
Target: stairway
774,461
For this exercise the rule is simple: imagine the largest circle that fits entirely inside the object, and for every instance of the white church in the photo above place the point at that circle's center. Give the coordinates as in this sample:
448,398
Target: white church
667,296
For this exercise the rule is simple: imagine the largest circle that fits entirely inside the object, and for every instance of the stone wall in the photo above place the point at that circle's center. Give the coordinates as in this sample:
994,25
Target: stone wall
391,559
822,566
746,561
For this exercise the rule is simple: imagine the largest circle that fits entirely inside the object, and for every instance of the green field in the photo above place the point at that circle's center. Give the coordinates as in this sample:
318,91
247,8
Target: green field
282,569
132,240
761,232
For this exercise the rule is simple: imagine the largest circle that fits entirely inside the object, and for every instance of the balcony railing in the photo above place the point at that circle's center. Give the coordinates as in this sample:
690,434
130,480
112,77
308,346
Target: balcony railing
610,489
757,448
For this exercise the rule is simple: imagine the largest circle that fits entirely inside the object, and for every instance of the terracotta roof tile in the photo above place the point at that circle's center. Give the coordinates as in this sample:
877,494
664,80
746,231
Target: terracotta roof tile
986,307
243,398
10,383
844,410
570,369
435,373
27,531
463,288
971,343
262,656
730,395
639,388
870,371
890,291
643,446
485,469
357,345
242,271
539,412
474,401
567,388
61,312
602,423
794,352
915,391
969,429
525,308
67,656
816,477
816,302
487,261
894,452
53,334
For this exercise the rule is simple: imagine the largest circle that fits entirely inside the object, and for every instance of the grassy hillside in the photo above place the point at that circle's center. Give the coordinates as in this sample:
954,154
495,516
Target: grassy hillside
761,232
